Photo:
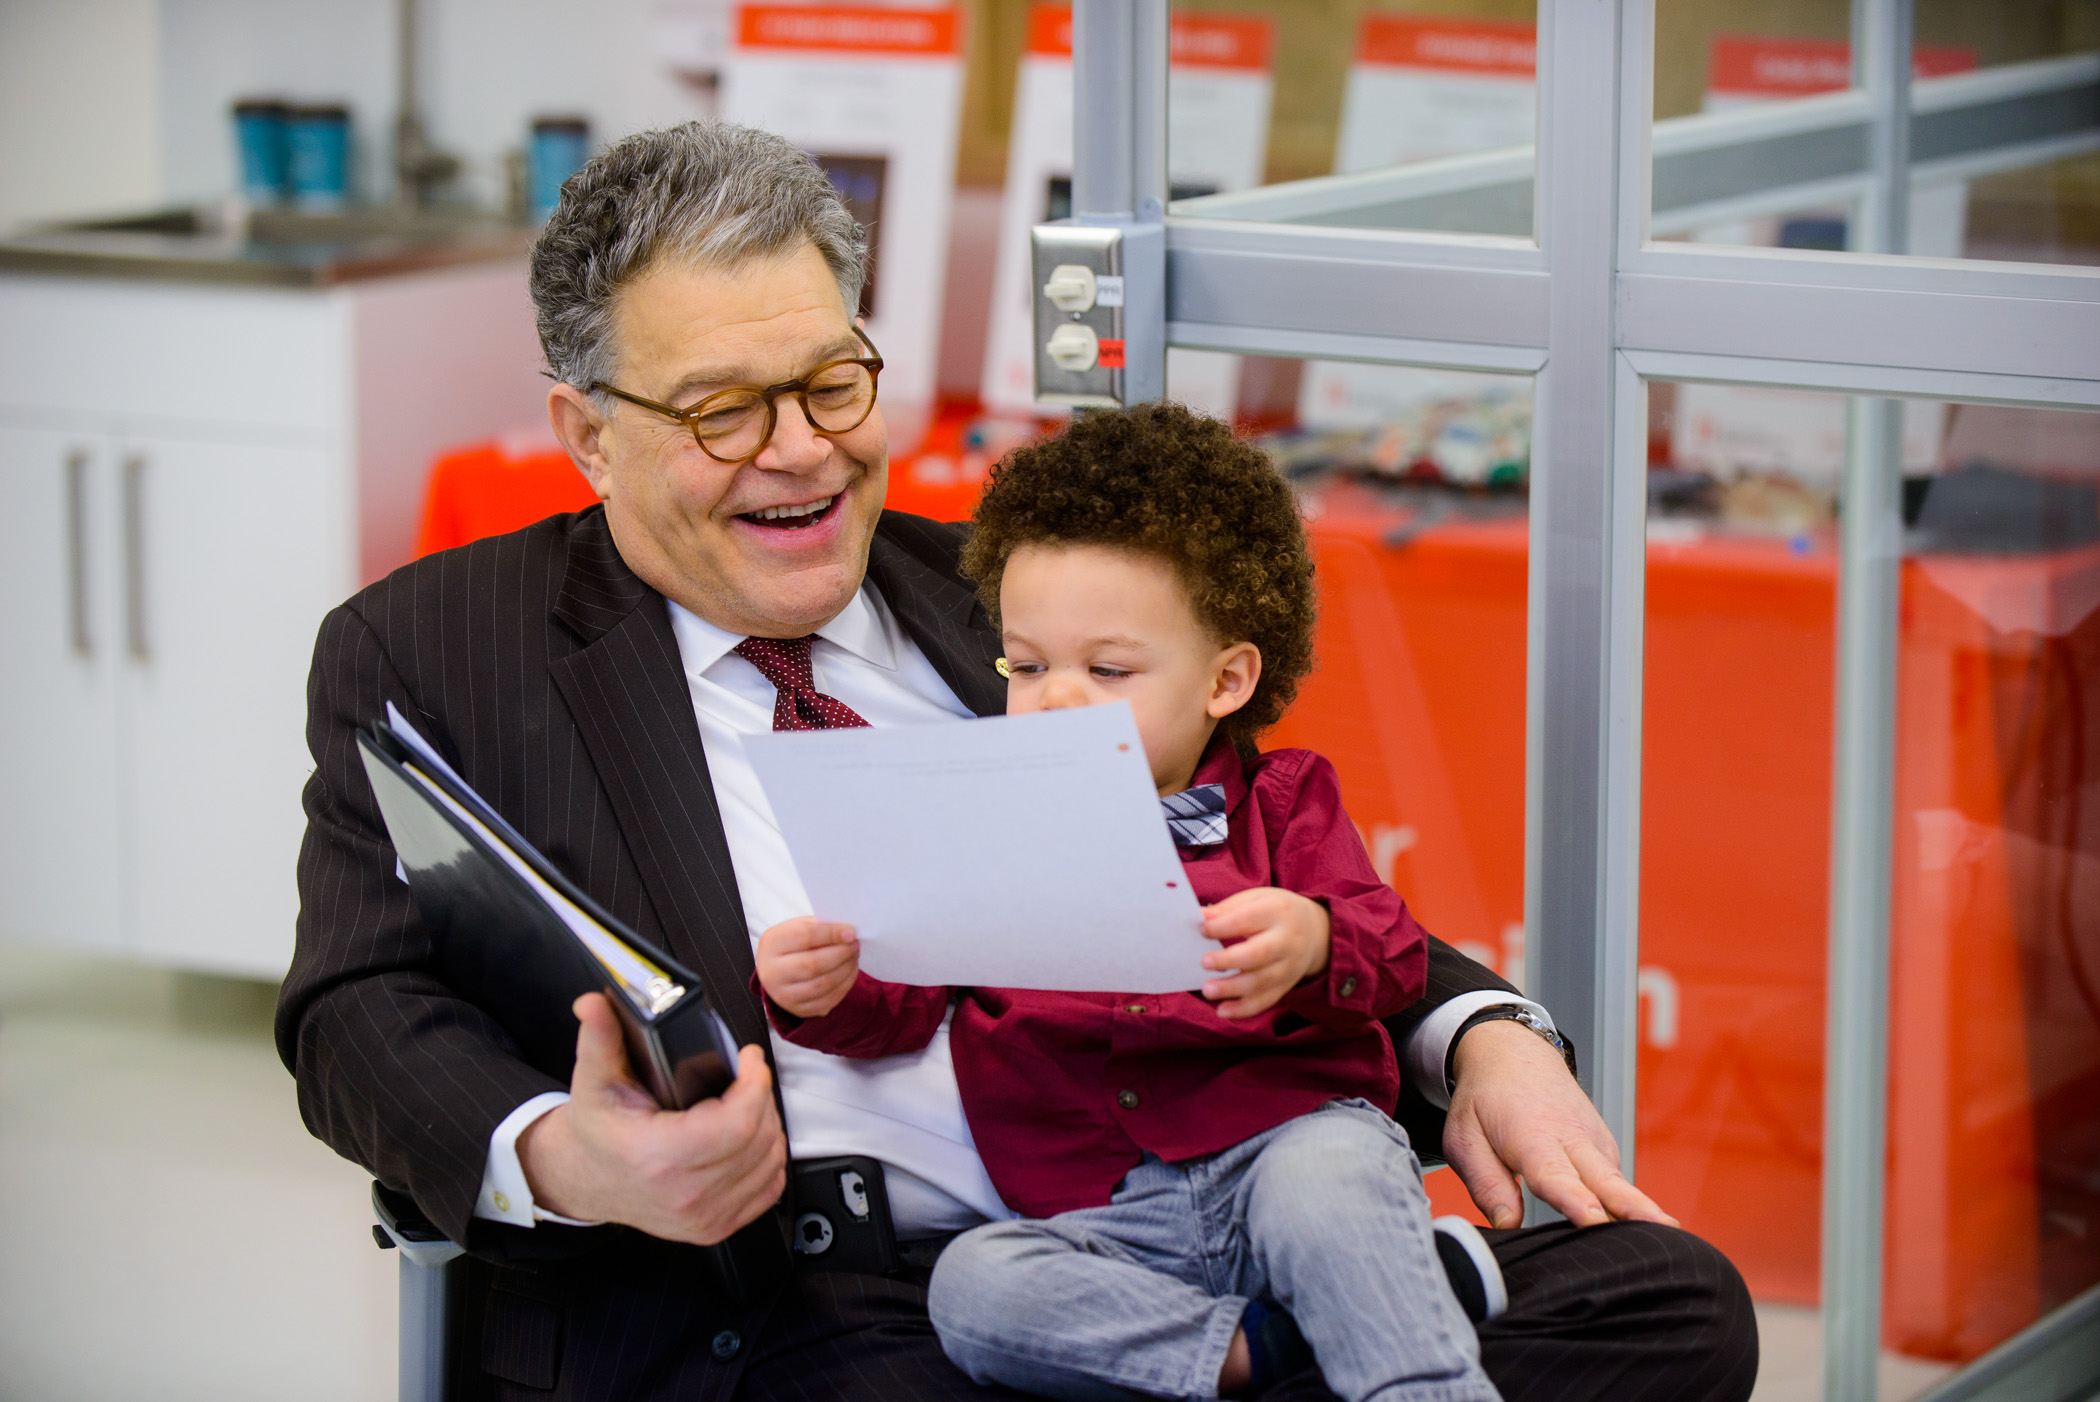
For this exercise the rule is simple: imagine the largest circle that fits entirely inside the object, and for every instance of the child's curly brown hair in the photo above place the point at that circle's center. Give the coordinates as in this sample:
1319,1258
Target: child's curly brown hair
1160,479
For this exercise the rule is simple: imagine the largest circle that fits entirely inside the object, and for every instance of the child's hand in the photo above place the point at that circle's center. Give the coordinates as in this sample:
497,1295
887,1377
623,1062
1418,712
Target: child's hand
806,965
1281,940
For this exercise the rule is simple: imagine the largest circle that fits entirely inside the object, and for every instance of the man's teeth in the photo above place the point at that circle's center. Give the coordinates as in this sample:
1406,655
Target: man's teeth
781,513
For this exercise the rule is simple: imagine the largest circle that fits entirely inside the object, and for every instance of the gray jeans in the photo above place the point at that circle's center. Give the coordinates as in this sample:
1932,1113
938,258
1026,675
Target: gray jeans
1324,1214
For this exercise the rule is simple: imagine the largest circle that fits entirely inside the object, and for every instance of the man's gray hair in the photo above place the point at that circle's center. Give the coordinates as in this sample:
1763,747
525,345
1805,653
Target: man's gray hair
704,194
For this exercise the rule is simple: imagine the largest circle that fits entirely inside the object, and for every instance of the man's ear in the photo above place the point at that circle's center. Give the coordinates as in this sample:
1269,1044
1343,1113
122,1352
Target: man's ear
1232,684
580,429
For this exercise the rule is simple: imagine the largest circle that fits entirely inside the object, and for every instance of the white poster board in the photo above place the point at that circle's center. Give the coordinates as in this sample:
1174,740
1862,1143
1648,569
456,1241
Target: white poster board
1730,429
1421,87
874,92
1218,92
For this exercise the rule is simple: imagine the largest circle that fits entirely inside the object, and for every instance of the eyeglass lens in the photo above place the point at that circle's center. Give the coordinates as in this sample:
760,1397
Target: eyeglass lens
734,425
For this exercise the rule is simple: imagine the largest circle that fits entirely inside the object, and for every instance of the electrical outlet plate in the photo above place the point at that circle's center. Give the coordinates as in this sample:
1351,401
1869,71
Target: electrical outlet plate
1099,313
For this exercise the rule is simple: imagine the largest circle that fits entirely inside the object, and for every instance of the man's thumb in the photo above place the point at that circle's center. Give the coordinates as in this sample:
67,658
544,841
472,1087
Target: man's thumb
601,1057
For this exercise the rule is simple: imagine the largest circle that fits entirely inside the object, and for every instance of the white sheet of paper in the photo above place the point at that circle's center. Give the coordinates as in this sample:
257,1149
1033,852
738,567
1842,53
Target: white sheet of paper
1014,852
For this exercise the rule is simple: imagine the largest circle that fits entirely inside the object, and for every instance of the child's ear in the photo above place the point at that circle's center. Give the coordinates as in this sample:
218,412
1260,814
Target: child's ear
1232,683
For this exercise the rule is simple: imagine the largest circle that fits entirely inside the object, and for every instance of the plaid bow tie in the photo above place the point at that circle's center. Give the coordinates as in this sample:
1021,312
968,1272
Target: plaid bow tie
1196,816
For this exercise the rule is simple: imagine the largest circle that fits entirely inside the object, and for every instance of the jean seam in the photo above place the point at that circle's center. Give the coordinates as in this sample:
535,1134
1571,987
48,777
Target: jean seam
1016,1341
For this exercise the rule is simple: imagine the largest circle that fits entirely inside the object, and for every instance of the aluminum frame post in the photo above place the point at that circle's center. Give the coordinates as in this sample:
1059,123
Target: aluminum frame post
1588,500
1855,1073
1119,165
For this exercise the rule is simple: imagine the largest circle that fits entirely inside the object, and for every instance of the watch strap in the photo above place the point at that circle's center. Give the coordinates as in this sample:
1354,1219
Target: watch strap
1507,1012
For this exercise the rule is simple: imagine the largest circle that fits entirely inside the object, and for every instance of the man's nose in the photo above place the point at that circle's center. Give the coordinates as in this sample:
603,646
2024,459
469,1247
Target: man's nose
795,446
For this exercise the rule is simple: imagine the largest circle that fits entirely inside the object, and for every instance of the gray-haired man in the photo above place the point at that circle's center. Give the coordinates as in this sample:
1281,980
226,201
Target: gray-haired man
695,291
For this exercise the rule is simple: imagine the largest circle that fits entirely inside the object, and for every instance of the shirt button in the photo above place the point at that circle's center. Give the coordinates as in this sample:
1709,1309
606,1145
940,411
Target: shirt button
1128,1099
1348,986
1134,1008
726,1344
502,1202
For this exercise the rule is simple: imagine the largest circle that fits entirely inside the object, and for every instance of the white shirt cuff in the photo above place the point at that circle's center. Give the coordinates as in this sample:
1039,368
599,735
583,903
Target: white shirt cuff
505,1195
1430,1044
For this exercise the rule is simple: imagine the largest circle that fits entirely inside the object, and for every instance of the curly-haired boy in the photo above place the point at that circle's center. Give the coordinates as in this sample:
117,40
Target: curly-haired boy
1200,1176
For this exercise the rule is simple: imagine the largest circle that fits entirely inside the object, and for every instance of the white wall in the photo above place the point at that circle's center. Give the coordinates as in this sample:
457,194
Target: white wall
79,100
493,65
213,52
121,105
488,67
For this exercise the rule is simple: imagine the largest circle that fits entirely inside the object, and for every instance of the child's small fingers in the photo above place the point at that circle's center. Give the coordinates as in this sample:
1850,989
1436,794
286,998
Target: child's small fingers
1252,1006
1221,923
816,964
1245,955
1219,990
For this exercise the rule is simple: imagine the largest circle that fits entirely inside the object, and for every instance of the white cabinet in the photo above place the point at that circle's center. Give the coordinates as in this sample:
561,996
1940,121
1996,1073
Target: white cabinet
162,596
61,835
193,477
231,587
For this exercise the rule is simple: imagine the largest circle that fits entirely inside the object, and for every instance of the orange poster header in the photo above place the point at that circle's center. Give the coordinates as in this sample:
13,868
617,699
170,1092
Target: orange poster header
1198,40
1761,66
1494,47
1221,41
849,29
1050,30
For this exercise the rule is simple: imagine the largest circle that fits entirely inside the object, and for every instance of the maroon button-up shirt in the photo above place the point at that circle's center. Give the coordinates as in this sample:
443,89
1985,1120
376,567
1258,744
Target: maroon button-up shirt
1066,1091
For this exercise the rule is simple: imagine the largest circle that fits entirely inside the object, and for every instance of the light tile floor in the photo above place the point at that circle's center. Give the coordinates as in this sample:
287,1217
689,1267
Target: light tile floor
1790,1361
168,1228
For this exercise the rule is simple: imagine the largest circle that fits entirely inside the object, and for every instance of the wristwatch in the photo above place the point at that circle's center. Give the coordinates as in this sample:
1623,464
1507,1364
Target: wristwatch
1506,1012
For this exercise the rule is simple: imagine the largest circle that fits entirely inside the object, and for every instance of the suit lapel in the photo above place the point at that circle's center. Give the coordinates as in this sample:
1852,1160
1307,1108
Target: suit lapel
944,618
626,690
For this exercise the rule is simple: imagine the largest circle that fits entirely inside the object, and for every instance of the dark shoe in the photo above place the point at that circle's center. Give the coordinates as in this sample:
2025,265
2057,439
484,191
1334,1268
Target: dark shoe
1275,1348
1476,1278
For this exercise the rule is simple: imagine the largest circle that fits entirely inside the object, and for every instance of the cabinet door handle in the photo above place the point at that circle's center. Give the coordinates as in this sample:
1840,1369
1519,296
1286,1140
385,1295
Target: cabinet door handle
135,553
76,552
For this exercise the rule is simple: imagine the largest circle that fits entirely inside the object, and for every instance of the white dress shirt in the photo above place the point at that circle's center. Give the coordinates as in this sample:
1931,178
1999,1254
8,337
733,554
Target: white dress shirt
903,1110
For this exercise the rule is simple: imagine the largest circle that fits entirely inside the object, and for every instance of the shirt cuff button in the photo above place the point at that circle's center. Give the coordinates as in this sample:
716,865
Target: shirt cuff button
1348,986
502,1202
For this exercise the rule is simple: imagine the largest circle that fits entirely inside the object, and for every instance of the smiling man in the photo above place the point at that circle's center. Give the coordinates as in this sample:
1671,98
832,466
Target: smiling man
594,676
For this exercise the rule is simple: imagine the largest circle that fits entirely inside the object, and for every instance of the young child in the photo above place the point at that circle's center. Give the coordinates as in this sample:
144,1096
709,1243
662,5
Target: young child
1194,1171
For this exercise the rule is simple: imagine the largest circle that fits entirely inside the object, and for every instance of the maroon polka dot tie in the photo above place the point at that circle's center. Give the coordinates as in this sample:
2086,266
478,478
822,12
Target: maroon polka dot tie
798,704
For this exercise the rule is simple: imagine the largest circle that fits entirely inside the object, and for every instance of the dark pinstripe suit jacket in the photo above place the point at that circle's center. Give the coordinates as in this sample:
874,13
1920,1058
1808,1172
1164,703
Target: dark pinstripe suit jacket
548,674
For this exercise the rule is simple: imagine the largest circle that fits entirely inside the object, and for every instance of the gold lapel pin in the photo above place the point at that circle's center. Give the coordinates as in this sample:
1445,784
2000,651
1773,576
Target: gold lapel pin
1002,669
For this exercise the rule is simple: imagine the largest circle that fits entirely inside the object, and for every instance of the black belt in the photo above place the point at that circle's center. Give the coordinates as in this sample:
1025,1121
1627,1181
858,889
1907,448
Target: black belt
920,1253
843,1223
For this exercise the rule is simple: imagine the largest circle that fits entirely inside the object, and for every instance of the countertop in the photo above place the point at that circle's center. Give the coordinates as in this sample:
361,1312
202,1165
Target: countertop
266,247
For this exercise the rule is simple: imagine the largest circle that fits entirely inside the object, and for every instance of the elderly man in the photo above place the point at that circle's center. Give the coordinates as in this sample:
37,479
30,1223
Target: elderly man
593,675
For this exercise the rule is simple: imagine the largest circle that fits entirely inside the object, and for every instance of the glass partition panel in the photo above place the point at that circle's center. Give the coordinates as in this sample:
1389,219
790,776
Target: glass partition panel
1416,507
1993,1203
1381,114
1761,139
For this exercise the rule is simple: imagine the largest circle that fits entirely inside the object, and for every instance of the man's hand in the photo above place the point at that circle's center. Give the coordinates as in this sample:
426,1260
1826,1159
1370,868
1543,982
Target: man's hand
1517,1113
807,965
1277,938
611,1154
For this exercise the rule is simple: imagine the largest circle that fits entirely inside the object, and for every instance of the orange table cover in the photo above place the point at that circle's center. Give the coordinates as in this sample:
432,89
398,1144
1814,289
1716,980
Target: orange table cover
1993,1206
484,489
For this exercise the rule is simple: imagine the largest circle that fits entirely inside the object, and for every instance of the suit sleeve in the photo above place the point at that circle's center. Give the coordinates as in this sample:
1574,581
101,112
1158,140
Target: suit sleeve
873,1019
393,1071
